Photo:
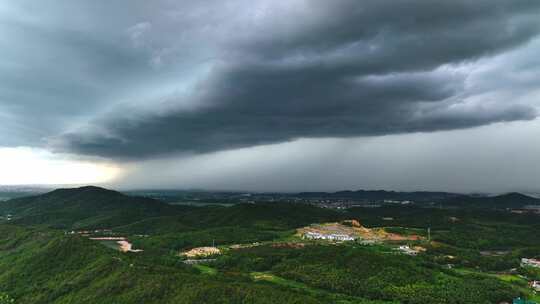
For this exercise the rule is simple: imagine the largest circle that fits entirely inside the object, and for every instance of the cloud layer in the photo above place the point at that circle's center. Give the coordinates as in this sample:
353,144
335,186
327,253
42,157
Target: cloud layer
141,81
498,158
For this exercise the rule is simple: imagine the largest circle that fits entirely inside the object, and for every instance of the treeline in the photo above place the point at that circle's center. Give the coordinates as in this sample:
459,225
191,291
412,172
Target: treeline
204,237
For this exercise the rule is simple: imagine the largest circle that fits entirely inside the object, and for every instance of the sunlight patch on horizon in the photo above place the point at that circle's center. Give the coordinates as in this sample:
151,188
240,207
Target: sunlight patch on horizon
24,166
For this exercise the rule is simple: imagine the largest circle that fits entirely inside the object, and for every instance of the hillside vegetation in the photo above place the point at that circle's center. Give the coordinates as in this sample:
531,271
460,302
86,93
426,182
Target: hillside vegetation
45,267
261,260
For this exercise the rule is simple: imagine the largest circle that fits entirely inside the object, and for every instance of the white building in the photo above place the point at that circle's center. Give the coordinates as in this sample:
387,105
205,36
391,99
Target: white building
330,237
535,285
530,263
407,250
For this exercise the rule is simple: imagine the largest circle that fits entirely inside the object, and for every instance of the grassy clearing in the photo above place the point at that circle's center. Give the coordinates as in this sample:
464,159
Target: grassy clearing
264,276
301,287
205,269
512,278
111,244
516,281
521,284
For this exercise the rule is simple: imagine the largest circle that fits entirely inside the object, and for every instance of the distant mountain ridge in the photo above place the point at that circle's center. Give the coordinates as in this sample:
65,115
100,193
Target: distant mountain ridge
10,192
380,195
508,200
93,207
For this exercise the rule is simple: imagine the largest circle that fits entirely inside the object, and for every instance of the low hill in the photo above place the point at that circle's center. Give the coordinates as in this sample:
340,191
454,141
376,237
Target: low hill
84,207
509,200
381,195
264,216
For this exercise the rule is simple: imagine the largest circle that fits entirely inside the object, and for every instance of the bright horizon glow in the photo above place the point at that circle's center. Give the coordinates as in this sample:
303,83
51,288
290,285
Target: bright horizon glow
25,166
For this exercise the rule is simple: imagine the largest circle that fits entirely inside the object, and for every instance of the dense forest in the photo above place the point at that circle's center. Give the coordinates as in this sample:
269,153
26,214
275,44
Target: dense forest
471,256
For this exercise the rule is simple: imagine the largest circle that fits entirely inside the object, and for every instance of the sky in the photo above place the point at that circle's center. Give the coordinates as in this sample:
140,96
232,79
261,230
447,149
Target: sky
296,95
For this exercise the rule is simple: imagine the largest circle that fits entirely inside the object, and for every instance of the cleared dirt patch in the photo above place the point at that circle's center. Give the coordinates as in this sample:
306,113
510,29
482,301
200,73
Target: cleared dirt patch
354,229
201,252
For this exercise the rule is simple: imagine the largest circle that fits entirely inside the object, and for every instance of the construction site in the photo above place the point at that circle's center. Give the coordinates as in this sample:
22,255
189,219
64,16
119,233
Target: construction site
350,230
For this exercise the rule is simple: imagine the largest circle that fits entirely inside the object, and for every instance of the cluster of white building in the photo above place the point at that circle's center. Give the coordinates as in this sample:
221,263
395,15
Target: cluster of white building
398,202
530,263
330,237
535,285
407,250
533,208
7,217
89,232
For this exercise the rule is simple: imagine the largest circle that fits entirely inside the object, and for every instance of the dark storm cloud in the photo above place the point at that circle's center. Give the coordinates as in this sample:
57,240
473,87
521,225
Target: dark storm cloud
385,36
348,69
270,72
250,107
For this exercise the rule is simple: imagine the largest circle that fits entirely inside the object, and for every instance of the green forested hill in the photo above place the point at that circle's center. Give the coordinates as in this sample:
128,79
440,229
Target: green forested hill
84,207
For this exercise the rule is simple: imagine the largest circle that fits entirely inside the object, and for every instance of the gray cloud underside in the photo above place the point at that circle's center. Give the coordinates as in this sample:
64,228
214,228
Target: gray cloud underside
319,69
